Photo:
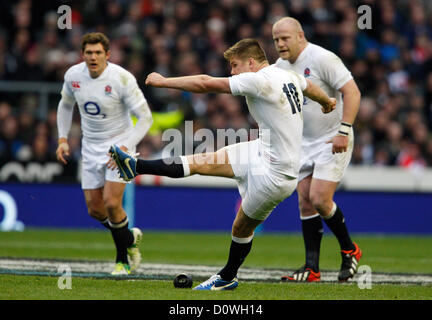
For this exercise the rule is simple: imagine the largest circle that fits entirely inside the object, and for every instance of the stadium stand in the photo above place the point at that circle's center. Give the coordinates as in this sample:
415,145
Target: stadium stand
392,64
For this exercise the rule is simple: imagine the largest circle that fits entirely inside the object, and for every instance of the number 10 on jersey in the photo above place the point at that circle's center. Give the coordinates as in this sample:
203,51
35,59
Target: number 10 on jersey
292,96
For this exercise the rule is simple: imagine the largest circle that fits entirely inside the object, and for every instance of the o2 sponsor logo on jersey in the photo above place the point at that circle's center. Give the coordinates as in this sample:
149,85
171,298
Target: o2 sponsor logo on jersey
93,109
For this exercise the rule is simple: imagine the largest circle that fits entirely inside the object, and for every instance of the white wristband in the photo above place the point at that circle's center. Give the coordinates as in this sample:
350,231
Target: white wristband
344,129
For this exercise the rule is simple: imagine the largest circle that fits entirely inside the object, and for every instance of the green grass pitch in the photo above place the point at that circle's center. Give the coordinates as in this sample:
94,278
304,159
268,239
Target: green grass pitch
383,254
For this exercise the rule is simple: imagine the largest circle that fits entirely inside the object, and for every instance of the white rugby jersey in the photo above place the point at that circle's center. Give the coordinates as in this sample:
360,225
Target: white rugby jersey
275,98
104,102
326,70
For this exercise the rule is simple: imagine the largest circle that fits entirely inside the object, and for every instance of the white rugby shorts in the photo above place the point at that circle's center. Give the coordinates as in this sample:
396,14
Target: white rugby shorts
260,188
94,172
317,159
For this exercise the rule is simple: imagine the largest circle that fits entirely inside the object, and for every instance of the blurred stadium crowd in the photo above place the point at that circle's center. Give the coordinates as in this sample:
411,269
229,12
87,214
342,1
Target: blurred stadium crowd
391,63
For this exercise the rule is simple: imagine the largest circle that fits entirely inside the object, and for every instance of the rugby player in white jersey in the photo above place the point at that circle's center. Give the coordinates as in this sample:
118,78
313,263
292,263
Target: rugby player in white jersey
326,148
106,95
265,169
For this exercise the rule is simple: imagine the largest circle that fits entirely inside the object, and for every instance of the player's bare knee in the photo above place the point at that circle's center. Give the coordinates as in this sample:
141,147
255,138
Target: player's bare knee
306,208
112,205
321,204
310,211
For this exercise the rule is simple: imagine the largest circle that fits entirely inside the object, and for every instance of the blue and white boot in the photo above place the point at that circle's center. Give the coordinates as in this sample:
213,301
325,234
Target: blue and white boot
126,163
217,283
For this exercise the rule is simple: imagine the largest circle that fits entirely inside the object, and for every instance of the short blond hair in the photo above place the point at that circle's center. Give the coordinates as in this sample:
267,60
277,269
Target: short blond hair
244,49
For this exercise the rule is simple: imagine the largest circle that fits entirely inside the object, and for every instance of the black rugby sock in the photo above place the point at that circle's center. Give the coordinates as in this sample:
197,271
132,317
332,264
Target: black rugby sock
336,223
237,255
106,224
123,239
312,234
169,167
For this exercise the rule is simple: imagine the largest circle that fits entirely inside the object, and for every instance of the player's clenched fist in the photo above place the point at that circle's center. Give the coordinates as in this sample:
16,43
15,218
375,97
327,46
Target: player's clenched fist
154,79
329,107
62,151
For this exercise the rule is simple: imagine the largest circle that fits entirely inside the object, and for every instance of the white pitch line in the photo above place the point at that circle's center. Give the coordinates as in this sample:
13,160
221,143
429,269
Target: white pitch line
89,268
56,245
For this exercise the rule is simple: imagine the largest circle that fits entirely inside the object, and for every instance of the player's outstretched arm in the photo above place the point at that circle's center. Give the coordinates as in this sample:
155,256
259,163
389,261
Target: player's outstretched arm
197,83
317,94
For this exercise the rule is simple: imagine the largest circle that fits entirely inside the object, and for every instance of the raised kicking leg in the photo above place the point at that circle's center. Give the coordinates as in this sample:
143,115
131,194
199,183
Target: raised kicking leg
214,164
